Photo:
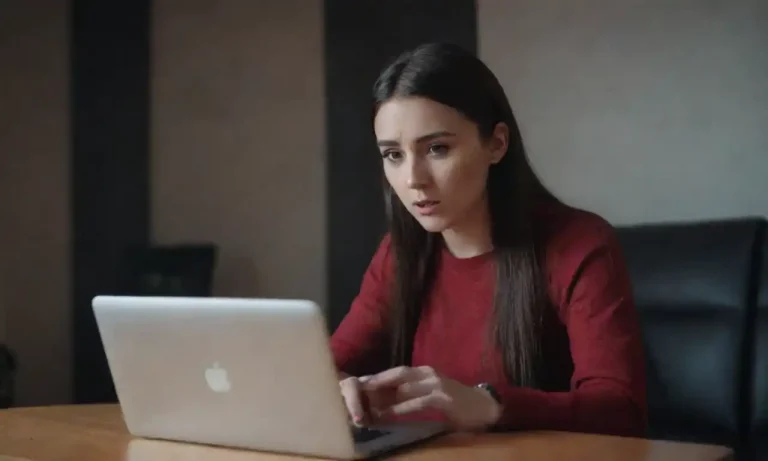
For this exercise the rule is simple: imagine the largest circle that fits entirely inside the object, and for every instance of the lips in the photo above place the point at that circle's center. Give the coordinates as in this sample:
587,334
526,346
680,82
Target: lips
426,207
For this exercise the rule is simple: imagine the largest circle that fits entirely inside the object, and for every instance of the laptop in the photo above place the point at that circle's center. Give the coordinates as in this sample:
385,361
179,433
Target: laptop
245,373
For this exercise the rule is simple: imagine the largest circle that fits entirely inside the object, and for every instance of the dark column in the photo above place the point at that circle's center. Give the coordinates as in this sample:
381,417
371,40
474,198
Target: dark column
110,51
361,36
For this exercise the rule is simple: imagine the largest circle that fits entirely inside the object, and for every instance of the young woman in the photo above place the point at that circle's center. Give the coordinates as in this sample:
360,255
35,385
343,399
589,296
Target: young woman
489,304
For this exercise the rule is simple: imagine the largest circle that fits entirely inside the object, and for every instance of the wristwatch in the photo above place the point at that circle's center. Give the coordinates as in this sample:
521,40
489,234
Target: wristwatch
490,390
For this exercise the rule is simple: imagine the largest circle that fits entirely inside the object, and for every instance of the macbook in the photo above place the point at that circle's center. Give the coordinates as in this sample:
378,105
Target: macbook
247,373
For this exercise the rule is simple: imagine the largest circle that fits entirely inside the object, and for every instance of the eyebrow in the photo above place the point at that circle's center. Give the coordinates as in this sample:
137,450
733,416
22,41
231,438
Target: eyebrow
420,139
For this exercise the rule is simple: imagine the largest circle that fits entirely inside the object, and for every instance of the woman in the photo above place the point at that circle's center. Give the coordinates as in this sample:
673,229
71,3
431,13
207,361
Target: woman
489,303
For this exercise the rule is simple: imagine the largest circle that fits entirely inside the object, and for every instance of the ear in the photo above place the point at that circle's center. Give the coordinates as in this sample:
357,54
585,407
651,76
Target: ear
499,142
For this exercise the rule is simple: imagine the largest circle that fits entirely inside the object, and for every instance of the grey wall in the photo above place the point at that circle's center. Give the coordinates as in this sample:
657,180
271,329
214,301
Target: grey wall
238,140
34,196
640,110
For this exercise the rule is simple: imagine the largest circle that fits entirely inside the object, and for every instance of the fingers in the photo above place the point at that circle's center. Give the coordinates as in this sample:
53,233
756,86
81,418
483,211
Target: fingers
431,400
376,399
393,392
353,399
404,390
412,390
397,376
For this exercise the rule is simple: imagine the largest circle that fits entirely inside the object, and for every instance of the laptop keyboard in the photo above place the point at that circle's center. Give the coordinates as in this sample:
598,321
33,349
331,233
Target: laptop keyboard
364,434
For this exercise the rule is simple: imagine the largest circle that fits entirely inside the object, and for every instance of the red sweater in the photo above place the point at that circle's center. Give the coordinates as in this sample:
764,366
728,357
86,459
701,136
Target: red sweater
595,341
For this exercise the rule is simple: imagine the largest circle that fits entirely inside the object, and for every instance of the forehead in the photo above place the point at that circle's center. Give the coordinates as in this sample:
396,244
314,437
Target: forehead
405,119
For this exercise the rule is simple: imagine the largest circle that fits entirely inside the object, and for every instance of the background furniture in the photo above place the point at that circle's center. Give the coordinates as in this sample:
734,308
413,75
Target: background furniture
696,286
179,270
7,371
759,391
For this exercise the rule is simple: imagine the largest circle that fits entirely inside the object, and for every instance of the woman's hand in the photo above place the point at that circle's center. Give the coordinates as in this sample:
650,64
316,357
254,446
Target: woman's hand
404,390
354,400
361,403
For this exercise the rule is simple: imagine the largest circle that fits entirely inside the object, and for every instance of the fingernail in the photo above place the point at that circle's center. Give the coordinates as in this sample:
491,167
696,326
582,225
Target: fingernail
358,419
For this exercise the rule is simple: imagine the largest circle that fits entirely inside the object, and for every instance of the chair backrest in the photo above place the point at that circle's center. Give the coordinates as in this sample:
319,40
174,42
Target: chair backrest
759,423
7,374
692,284
180,270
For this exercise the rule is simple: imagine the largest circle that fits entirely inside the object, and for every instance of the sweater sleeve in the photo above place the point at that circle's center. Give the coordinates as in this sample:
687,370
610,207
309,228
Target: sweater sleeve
591,287
359,344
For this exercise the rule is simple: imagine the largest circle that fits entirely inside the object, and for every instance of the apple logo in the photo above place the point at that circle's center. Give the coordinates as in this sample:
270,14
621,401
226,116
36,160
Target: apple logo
217,379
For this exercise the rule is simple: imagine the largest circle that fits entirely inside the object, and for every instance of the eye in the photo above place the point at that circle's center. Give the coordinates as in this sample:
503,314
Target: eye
438,149
392,155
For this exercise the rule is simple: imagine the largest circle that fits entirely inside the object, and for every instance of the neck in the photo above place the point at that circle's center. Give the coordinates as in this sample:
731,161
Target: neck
472,235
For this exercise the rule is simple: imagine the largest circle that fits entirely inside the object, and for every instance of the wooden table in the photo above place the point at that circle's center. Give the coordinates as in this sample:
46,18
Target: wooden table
97,432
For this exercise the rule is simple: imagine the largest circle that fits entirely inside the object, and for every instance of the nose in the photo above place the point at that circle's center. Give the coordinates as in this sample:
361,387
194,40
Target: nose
418,176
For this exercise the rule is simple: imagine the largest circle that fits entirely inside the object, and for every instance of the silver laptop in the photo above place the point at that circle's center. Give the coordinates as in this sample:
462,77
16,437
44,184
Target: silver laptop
246,373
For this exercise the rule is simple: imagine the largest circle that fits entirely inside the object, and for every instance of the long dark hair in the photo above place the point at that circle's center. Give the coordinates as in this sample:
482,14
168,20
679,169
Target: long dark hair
452,76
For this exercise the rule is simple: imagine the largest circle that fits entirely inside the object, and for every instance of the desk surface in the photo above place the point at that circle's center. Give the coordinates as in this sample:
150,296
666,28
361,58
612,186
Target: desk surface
97,432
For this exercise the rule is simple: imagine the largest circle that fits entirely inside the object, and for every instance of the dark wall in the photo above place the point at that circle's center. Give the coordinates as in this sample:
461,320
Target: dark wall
110,99
361,36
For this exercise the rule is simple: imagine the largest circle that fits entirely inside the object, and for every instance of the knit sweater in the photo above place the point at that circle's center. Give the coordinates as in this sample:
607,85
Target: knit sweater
593,346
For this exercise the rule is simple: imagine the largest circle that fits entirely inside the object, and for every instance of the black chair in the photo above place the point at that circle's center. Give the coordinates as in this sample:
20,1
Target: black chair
694,288
7,372
759,423
179,270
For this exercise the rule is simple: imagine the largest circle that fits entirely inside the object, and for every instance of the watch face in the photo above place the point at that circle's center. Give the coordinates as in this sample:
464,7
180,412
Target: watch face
488,388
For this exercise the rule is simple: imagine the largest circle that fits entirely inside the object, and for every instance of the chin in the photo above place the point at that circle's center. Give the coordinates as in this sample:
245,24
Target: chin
432,223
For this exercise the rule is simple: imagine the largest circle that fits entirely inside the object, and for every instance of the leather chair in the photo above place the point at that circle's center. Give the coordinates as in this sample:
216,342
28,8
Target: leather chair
7,372
176,270
759,424
693,284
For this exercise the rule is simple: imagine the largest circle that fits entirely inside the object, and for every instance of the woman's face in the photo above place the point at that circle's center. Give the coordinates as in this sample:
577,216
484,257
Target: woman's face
435,160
